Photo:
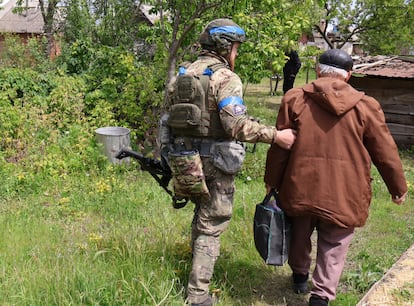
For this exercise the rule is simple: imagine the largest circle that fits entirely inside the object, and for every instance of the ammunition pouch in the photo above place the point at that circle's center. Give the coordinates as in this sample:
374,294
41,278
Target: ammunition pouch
228,156
187,174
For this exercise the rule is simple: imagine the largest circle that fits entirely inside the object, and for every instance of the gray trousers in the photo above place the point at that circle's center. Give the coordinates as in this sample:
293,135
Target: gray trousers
332,246
211,218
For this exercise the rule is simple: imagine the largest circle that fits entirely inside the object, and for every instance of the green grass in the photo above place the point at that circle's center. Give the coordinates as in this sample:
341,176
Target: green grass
109,236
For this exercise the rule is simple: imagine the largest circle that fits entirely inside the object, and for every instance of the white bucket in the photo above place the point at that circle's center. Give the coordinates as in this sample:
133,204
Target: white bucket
113,139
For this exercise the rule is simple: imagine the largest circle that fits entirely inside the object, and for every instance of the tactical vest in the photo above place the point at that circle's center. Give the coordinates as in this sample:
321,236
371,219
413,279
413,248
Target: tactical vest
191,113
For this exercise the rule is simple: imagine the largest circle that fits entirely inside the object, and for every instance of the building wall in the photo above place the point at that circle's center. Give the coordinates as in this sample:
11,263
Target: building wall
396,97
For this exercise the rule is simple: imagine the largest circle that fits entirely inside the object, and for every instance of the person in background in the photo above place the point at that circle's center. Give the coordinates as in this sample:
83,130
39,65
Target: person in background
290,70
324,182
225,124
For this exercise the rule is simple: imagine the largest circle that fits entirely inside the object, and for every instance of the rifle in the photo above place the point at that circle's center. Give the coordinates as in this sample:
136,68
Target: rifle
161,173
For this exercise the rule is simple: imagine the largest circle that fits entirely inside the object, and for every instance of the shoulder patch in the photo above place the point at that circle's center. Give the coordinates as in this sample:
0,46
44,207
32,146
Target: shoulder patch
239,109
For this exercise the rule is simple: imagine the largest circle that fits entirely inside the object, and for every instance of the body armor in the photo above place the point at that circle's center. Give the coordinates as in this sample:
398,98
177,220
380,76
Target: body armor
191,113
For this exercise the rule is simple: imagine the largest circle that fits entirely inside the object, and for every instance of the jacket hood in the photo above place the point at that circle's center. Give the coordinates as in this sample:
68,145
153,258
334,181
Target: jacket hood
334,95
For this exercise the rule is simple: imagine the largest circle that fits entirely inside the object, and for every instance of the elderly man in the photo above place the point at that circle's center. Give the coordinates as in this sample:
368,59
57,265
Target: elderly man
324,182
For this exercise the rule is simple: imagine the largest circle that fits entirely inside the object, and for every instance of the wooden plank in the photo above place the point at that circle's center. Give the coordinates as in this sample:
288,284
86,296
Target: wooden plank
396,97
398,118
404,141
392,96
403,134
367,83
399,113
402,109
402,127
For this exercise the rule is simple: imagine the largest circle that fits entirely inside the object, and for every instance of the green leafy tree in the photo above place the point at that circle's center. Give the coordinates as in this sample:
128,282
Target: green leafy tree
101,40
272,27
389,28
80,24
385,27
115,23
179,21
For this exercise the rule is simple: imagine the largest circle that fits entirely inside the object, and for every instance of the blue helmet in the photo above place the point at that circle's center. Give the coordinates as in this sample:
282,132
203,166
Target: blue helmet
219,35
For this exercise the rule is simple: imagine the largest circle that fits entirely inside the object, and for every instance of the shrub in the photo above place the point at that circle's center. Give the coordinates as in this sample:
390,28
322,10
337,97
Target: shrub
17,53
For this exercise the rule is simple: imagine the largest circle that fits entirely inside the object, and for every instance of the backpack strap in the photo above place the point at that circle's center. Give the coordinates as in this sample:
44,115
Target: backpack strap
208,72
213,68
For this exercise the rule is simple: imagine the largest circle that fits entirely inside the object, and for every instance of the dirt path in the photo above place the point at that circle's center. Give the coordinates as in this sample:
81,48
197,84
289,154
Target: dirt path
396,287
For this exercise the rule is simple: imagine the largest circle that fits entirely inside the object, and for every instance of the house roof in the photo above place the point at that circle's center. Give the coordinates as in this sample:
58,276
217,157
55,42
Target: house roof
150,16
385,66
29,21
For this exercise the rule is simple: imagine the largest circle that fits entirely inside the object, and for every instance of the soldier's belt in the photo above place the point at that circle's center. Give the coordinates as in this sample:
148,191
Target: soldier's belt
202,145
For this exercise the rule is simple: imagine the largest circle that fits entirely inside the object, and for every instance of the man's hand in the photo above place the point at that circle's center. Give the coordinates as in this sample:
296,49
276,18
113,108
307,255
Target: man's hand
285,138
399,200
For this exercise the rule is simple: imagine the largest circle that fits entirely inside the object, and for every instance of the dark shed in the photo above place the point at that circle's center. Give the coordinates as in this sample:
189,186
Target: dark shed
390,80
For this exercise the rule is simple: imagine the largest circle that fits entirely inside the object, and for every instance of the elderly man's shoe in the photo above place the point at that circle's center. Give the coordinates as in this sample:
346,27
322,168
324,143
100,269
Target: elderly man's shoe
316,300
300,282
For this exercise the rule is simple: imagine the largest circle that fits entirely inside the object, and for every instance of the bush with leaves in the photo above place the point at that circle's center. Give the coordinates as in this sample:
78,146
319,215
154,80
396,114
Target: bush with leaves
23,101
30,54
44,126
117,81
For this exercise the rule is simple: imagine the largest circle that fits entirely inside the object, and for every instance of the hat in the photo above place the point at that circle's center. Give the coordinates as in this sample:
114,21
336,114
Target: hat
337,58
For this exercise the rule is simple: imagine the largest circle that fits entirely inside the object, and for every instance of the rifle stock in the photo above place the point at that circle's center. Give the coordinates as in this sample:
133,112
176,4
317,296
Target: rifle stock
162,174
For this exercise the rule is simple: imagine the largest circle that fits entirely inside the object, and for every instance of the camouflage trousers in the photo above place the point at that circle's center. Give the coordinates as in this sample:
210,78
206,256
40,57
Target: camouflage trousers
211,218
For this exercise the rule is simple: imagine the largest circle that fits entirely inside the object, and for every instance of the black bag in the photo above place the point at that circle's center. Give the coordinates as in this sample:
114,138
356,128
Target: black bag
271,230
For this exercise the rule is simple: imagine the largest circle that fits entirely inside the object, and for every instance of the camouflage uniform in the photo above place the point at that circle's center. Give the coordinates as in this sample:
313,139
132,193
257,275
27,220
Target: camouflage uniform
212,213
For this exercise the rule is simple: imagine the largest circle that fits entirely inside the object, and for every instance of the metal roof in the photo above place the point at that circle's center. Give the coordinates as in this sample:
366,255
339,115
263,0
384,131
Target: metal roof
30,21
146,11
385,66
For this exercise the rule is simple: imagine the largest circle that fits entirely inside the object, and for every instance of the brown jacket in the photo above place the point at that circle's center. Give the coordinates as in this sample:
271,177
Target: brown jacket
328,172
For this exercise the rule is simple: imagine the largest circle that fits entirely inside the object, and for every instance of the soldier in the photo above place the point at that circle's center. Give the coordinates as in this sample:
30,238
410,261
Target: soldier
208,120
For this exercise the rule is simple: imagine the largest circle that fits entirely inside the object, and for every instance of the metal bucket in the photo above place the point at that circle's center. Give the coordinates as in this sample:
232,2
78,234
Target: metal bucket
113,139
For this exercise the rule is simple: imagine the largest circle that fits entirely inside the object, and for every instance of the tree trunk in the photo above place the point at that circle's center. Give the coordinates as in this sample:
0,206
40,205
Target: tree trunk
48,11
